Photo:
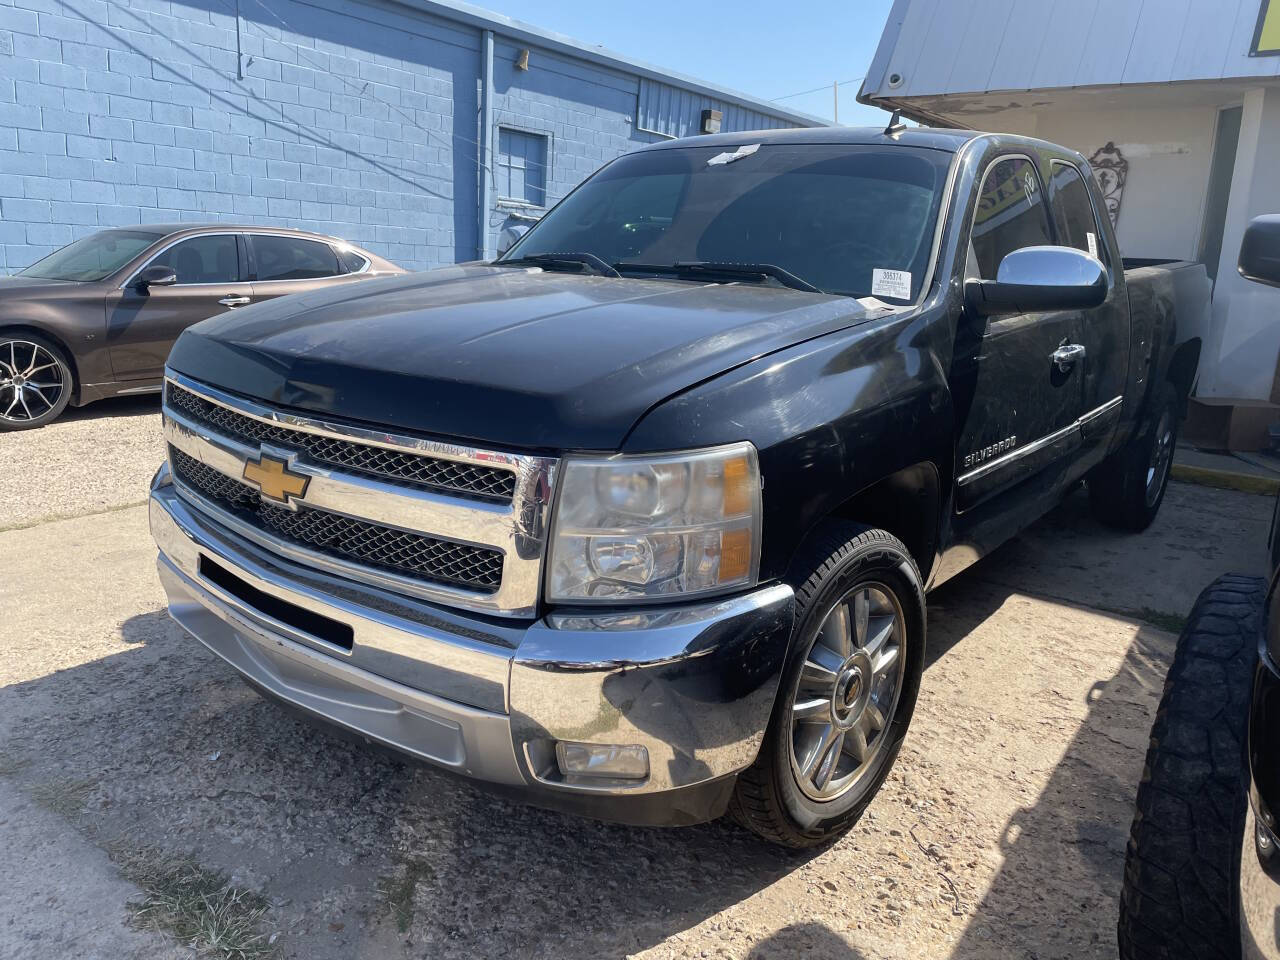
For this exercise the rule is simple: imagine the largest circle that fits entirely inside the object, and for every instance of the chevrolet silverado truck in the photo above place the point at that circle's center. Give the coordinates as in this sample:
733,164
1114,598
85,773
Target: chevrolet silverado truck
638,520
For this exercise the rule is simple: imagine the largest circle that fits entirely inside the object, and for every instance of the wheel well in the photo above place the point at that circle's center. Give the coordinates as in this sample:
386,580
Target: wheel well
1182,368
67,355
906,504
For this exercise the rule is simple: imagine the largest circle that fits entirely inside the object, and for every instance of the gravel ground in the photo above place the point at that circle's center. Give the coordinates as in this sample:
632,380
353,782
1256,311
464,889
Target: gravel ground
94,458
1000,832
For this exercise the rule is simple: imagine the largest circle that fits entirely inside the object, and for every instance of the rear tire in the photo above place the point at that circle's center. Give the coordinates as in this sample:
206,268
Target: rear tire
35,381
1179,899
847,692
1126,490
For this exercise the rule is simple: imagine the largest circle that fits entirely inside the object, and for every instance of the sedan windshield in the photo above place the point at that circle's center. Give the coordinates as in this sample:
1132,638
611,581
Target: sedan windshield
853,220
93,257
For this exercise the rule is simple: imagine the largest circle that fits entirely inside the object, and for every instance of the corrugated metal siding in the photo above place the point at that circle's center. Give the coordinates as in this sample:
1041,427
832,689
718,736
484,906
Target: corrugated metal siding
942,48
673,112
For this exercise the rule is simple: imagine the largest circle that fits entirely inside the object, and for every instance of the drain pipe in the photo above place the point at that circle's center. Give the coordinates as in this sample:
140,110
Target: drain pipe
484,153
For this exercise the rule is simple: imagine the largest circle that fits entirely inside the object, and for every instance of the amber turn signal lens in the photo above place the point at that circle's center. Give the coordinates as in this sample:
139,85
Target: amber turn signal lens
737,487
735,554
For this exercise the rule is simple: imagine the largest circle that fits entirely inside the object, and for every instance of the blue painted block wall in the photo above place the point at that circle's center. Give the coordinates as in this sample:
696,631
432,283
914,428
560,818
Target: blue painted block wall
358,119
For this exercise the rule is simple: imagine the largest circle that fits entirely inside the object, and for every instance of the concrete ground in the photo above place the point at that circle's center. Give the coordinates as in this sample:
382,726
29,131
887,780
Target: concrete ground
135,768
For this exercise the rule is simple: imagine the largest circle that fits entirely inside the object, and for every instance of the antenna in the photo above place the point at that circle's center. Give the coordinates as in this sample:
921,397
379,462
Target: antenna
895,125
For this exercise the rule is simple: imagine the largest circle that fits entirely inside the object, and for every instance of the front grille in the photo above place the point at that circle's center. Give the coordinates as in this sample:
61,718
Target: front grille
393,466
370,544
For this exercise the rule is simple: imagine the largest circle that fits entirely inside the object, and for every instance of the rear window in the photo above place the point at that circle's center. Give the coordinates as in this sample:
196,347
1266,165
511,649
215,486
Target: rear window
292,258
841,217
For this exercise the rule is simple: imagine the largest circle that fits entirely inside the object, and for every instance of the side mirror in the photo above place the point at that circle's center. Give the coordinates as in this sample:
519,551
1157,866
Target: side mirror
1039,279
511,232
1260,250
156,275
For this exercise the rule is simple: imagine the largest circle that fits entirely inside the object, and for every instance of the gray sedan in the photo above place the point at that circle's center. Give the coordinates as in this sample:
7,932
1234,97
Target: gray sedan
96,318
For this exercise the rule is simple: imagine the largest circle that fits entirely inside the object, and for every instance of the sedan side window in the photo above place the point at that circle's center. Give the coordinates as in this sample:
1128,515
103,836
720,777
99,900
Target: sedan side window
1072,211
292,258
1010,214
211,259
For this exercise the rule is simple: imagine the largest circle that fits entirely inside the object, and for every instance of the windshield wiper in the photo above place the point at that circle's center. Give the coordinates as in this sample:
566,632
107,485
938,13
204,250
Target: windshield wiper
691,268
562,261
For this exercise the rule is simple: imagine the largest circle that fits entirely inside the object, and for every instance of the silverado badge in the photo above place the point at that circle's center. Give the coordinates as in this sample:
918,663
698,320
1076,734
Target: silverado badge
987,452
275,480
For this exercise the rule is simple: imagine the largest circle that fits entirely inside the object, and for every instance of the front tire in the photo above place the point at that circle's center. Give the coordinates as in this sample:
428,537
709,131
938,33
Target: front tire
35,381
1126,490
847,692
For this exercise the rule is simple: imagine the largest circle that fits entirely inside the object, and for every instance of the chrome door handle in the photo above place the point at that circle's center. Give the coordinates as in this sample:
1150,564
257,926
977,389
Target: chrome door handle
234,301
1067,354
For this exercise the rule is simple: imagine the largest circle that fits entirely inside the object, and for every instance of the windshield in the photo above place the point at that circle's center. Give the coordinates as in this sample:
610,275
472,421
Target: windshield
854,220
92,257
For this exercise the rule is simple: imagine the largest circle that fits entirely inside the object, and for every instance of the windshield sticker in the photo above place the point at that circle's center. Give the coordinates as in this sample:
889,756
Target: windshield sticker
722,158
891,283
1093,244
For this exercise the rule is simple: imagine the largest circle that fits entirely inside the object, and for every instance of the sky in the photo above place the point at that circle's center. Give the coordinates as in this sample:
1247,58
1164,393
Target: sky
765,49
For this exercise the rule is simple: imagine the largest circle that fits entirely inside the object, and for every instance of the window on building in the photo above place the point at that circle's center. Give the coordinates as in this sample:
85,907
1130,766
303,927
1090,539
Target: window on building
1072,211
1010,214
1225,140
211,259
521,166
292,258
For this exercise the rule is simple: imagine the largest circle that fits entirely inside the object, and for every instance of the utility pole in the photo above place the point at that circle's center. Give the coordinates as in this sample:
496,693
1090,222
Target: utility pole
835,100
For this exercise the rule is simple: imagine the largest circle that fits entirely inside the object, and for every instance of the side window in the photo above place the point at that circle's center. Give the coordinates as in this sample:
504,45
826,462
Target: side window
520,167
1010,214
350,261
203,259
1072,211
292,258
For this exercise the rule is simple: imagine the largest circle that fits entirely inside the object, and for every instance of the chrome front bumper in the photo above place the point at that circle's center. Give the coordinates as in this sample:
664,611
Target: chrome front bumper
489,698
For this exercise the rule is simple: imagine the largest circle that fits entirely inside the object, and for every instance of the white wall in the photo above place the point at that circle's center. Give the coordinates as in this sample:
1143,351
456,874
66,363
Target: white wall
1169,153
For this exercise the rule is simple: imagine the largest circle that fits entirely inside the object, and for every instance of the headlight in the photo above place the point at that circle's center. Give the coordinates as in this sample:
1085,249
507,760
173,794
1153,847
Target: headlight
660,527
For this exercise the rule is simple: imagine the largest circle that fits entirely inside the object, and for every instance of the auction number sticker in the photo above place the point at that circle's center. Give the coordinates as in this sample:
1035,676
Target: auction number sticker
1093,244
891,283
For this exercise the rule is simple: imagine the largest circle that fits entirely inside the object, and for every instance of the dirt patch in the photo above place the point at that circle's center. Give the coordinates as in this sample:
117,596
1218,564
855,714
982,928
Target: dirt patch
1000,832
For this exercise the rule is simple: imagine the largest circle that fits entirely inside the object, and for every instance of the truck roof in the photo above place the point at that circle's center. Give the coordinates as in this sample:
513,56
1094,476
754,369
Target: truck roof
932,138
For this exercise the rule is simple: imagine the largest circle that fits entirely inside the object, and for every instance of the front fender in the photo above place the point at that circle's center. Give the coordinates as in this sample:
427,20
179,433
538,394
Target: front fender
829,417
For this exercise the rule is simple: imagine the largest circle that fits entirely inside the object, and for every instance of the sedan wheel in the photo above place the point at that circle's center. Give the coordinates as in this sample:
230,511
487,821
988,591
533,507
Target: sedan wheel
35,383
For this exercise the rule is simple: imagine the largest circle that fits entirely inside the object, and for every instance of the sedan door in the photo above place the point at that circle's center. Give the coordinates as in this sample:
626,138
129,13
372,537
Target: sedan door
144,321
1017,404
281,264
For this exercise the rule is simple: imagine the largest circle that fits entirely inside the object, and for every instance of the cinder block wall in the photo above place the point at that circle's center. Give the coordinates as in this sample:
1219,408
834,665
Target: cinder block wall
354,118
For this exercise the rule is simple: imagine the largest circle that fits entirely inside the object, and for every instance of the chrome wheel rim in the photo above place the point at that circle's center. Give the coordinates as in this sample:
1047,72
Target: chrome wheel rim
1161,457
847,693
31,381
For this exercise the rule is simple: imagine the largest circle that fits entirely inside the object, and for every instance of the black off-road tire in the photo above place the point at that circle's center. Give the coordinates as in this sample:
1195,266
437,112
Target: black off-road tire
1179,899
1118,486
41,415
767,800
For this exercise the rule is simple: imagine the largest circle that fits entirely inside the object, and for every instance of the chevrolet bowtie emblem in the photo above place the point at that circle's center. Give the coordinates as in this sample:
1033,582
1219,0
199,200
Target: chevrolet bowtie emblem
274,479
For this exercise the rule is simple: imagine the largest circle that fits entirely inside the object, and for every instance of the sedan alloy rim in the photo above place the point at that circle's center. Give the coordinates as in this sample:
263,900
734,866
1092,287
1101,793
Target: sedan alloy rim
31,381
845,697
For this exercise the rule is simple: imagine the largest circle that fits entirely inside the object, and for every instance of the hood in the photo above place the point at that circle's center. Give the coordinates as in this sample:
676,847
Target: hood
499,355
34,286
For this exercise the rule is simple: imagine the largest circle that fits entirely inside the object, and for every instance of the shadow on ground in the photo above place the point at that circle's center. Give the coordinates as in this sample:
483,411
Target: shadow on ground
114,407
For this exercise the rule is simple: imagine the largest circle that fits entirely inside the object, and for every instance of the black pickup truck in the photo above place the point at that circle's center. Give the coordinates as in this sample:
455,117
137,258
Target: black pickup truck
638,521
